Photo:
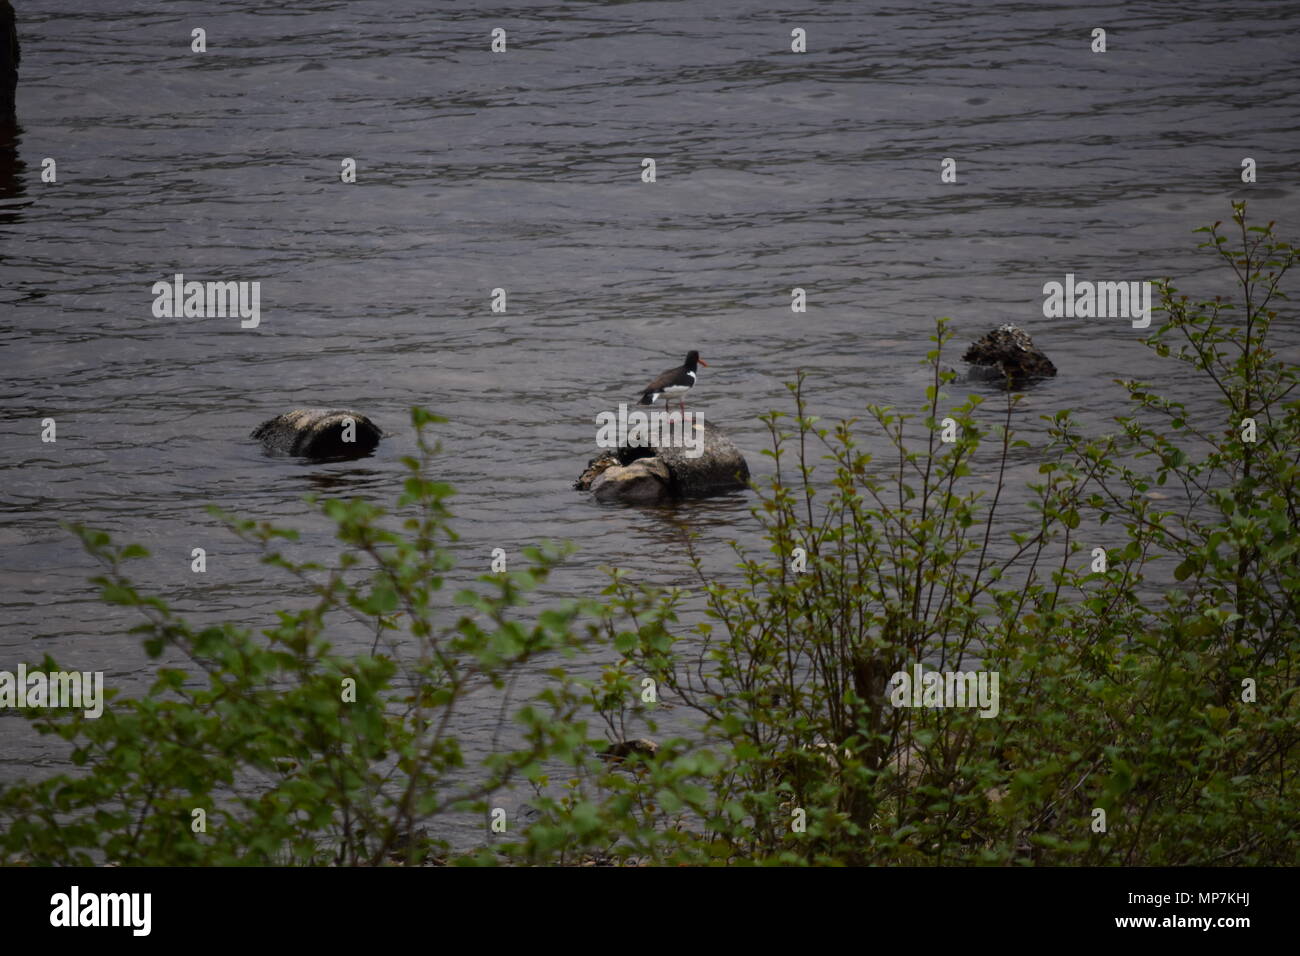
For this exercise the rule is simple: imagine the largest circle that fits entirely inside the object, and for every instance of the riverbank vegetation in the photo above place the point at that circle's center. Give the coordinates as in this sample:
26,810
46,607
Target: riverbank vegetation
1142,617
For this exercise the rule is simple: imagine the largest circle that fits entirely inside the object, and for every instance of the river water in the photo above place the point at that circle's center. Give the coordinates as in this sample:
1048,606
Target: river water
522,170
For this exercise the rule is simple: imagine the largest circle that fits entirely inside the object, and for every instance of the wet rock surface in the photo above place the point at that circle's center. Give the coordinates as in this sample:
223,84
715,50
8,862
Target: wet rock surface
644,481
643,475
721,467
1008,354
319,433
593,470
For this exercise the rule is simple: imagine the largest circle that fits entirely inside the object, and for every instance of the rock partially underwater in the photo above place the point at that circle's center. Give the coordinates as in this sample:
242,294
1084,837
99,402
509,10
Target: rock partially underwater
618,752
644,481
1008,354
319,433
646,475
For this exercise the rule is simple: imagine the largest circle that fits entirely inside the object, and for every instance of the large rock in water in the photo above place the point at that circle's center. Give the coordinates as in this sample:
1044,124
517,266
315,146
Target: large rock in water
1009,354
319,433
644,475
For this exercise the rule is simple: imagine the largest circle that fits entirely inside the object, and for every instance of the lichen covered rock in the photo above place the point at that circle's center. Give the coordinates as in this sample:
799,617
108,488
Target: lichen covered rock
1009,354
593,469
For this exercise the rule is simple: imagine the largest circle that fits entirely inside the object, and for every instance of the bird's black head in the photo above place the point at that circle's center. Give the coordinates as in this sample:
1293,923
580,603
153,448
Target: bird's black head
693,358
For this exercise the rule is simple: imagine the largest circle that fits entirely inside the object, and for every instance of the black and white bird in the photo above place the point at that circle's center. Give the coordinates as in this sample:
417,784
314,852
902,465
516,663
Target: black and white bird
674,383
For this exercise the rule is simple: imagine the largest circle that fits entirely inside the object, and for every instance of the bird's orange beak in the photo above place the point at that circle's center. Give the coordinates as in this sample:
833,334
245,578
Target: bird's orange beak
702,362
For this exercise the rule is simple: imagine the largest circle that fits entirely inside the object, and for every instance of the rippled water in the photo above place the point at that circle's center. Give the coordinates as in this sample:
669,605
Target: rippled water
523,171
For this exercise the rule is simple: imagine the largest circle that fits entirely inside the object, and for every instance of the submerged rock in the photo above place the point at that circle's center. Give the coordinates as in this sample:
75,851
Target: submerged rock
646,474
1008,353
319,433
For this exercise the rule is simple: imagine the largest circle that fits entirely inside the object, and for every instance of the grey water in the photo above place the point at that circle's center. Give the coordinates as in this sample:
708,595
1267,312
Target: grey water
522,170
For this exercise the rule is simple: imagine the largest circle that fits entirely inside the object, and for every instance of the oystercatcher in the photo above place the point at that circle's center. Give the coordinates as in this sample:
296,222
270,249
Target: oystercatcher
674,382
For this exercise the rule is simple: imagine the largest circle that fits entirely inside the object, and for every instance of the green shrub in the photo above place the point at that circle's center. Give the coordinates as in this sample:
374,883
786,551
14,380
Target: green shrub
1157,692
1116,697
288,760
